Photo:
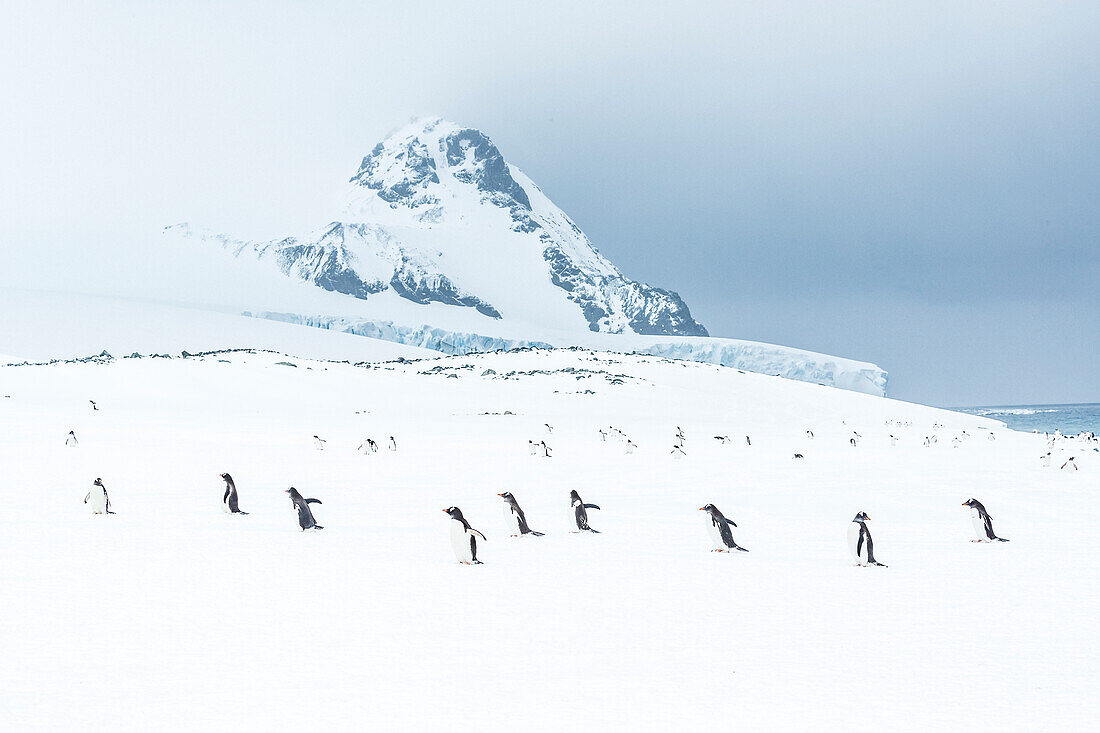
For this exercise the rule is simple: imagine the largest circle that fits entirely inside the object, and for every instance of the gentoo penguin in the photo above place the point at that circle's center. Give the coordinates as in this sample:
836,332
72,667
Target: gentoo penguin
463,538
393,444
1045,460
229,499
515,518
549,427
1071,463
545,449
983,524
97,498
720,530
532,447
579,512
798,456
853,442
301,505
678,451
680,434
319,443
748,440
927,442
893,440
630,446
723,439
603,435
810,434
859,541
992,437
70,439
94,408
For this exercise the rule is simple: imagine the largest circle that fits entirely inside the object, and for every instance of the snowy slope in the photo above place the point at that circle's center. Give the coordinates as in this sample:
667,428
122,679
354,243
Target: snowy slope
174,616
43,325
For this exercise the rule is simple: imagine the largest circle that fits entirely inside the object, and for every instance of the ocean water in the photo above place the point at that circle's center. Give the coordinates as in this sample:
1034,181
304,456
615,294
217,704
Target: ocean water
1070,419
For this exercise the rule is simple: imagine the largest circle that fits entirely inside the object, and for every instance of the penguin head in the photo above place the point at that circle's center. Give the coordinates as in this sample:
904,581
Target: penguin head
293,493
708,508
98,482
574,496
455,513
862,517
970,502
507,496
226,477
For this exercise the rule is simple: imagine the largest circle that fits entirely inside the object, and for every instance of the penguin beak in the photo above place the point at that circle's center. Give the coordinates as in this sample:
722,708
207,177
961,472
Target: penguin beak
444,511
500,494
702,508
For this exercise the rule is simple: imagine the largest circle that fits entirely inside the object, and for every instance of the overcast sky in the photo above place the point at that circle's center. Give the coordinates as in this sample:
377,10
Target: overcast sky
915,186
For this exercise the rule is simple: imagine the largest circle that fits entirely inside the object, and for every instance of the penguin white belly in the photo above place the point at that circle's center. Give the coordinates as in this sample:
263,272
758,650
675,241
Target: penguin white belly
715,534
979,525
97,500
460,542
860,554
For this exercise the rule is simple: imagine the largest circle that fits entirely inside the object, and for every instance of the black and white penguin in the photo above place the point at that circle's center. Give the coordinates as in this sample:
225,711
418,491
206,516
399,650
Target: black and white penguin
579,512
723,439
549,427
393,444
1070,463
992,437
319,443
748,440
678,451
798,457
70,439
603,435
463,538
810,434
532,447
94,407
97,498
1045,460
301,505
893,440
545,449
680,434
515,518
630,446
229,499
720,530
859,541
853,442
983,523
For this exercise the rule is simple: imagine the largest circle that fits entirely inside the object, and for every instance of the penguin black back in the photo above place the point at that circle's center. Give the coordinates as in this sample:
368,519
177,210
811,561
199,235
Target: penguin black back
301,505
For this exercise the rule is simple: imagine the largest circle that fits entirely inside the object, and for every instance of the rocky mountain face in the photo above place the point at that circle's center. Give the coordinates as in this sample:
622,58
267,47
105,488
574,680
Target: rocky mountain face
437,215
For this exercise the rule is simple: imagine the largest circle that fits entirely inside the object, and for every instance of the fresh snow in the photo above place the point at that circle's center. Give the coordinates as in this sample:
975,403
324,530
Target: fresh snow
171,615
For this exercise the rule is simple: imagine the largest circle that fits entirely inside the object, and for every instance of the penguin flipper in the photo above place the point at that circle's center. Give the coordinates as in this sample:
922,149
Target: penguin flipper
739,547
731,523
591,506
540,534
474,531
240,512
1000,539
313,501
226,495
